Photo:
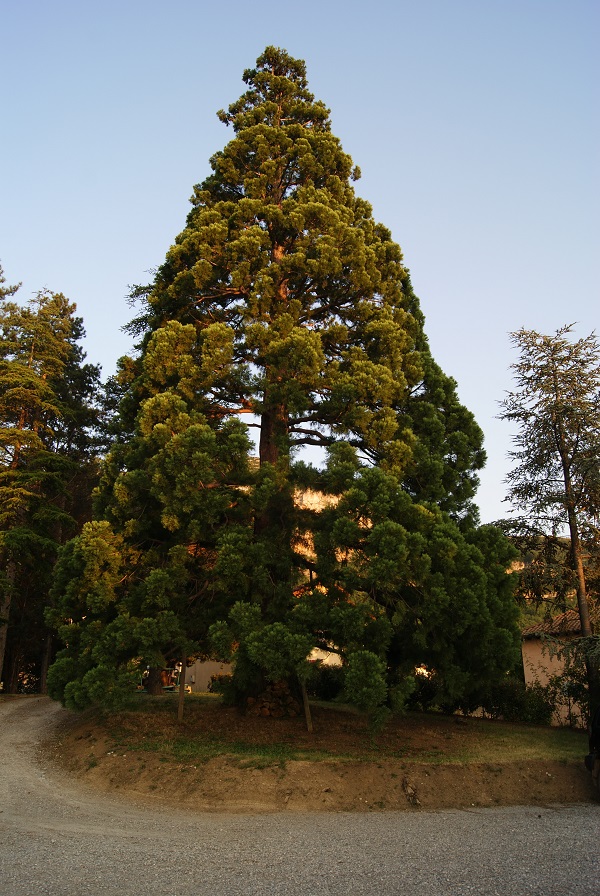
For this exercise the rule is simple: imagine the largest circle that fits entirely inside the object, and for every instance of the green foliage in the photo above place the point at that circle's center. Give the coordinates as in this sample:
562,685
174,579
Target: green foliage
139,588
49,418
326,682
444,592
513,701
570,688
555,482
365,682
556,405
504,697
279,651
283,298
220,683
261,651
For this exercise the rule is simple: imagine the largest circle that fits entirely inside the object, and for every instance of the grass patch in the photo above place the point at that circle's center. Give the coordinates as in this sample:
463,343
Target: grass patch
493,741
198,750
211,730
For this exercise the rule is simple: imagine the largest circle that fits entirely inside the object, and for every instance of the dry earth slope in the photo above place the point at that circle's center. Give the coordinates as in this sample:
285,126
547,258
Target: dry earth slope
92,757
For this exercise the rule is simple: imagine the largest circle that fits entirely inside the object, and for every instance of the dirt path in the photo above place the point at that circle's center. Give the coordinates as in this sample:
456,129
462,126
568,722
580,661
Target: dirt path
34,793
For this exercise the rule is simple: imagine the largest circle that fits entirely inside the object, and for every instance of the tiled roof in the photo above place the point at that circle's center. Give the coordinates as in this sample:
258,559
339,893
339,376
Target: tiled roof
564,624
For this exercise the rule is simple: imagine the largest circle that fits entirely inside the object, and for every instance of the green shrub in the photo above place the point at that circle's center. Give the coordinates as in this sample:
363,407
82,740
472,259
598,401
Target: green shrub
218,684
513,701
325,682
425,694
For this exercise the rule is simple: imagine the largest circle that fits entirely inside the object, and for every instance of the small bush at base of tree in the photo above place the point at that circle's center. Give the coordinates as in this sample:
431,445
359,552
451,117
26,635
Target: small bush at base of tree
325,682
514,701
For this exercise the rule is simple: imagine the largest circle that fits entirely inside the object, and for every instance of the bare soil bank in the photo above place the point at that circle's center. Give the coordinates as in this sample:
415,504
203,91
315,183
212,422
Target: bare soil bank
414,764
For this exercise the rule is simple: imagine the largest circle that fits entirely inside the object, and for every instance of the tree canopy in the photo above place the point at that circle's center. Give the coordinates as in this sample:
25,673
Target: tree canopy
555,480
48,414
284,300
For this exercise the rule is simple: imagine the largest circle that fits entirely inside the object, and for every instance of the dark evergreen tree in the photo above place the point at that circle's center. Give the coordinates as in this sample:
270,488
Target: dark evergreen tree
304,316
48,411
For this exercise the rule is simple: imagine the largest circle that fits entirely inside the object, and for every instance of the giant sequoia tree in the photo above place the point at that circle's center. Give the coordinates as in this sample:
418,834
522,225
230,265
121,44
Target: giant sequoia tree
298,310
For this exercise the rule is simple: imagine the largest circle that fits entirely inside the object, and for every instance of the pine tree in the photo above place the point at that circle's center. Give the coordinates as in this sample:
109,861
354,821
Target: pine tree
555,482
304,317
47,397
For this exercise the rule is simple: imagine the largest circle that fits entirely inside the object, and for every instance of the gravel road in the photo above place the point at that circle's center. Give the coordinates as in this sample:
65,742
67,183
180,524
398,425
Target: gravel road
57,839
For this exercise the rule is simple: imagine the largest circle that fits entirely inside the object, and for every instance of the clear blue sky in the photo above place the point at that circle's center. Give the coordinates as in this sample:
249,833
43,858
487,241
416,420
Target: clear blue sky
475,124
